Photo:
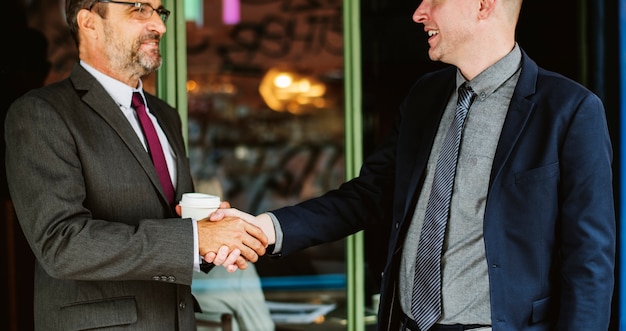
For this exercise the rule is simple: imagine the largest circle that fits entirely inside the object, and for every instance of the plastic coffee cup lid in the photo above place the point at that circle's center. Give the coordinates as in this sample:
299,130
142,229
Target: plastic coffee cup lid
200,200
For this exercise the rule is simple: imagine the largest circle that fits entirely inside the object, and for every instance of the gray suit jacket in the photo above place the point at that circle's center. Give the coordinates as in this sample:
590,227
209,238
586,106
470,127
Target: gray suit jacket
111,253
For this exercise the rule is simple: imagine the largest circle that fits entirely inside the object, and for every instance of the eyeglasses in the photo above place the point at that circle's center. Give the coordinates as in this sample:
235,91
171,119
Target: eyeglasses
143,10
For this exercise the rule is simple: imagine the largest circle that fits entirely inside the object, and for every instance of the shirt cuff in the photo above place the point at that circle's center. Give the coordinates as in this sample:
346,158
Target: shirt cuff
278,246
196,255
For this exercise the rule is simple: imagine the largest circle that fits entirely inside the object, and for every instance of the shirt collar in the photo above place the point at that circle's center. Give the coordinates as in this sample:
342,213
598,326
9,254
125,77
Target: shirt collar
488,81
121,93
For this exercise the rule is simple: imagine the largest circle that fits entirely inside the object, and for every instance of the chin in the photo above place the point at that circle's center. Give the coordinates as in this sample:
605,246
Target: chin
433,56
151,64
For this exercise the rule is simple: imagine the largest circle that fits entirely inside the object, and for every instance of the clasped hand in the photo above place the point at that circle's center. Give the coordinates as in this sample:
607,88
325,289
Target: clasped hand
229,238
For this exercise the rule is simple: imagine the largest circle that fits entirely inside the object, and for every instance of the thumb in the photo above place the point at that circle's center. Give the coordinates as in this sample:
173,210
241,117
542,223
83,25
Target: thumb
228,212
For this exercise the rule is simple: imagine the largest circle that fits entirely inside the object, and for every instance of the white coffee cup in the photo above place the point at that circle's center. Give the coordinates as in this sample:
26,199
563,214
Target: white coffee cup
198,205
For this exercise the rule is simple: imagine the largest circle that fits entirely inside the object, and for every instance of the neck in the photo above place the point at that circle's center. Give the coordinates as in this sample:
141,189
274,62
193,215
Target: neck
483,58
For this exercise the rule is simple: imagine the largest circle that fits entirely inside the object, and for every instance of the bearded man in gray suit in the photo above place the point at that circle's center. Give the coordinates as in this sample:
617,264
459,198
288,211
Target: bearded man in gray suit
111,251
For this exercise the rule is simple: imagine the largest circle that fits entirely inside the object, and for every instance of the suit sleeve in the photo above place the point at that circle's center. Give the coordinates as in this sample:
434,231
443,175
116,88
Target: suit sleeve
588,221
361,203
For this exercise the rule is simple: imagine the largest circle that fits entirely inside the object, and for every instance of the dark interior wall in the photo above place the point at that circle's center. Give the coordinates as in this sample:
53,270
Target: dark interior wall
548,32
394,55
23,66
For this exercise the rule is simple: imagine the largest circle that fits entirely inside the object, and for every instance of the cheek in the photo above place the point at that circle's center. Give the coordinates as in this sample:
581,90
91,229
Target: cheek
459,29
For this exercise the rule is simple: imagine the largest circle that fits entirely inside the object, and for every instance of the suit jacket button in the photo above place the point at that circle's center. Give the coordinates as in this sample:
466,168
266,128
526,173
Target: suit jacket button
157,278
171,279
182,305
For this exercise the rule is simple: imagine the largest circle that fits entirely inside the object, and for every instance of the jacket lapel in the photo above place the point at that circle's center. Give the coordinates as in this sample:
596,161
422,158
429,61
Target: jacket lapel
96,97
171,126
423,114
520,109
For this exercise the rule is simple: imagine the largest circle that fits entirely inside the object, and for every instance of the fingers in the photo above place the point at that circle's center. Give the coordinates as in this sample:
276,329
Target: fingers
231,212
233,257
235,267
232,261
179,210
210,257
233,233
222,255
226,258
259,236
219,214
232,242
262,222
241,263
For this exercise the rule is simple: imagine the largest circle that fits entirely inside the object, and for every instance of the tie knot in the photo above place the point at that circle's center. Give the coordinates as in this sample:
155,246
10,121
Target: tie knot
466,94
137,100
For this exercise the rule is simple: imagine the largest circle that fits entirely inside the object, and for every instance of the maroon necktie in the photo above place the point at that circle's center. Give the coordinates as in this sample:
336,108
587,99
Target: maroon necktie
154,147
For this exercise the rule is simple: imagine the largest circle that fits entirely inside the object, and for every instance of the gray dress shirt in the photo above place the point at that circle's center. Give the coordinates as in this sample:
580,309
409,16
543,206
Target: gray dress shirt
465,282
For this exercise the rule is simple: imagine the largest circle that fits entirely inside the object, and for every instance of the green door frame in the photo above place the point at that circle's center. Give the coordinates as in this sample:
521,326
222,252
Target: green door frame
355,261
171,80
172,87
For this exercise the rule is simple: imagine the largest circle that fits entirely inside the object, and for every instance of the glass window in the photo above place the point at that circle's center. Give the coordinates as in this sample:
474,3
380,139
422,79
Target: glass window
266,126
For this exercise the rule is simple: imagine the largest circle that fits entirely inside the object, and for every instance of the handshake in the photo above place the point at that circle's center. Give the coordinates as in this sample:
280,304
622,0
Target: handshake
230,237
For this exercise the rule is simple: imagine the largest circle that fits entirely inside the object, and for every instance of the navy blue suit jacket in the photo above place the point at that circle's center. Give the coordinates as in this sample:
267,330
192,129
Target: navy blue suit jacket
549,224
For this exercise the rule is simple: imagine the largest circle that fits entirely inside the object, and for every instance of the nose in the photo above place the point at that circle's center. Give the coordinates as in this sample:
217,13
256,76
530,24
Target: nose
420,16
157,23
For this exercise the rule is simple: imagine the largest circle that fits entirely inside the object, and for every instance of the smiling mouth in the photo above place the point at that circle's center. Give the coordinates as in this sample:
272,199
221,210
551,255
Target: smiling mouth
432,33
150,40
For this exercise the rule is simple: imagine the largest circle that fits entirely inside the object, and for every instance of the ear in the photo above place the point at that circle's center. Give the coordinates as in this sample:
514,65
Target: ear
486,8
86,21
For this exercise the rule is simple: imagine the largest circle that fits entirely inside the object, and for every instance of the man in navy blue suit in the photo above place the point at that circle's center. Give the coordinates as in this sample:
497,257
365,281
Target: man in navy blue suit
530,237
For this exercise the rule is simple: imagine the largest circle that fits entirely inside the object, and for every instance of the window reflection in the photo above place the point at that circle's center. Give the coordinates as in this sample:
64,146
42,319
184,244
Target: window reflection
266,124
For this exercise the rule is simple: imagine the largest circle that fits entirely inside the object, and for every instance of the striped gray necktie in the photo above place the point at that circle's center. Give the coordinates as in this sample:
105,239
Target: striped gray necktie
426,300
